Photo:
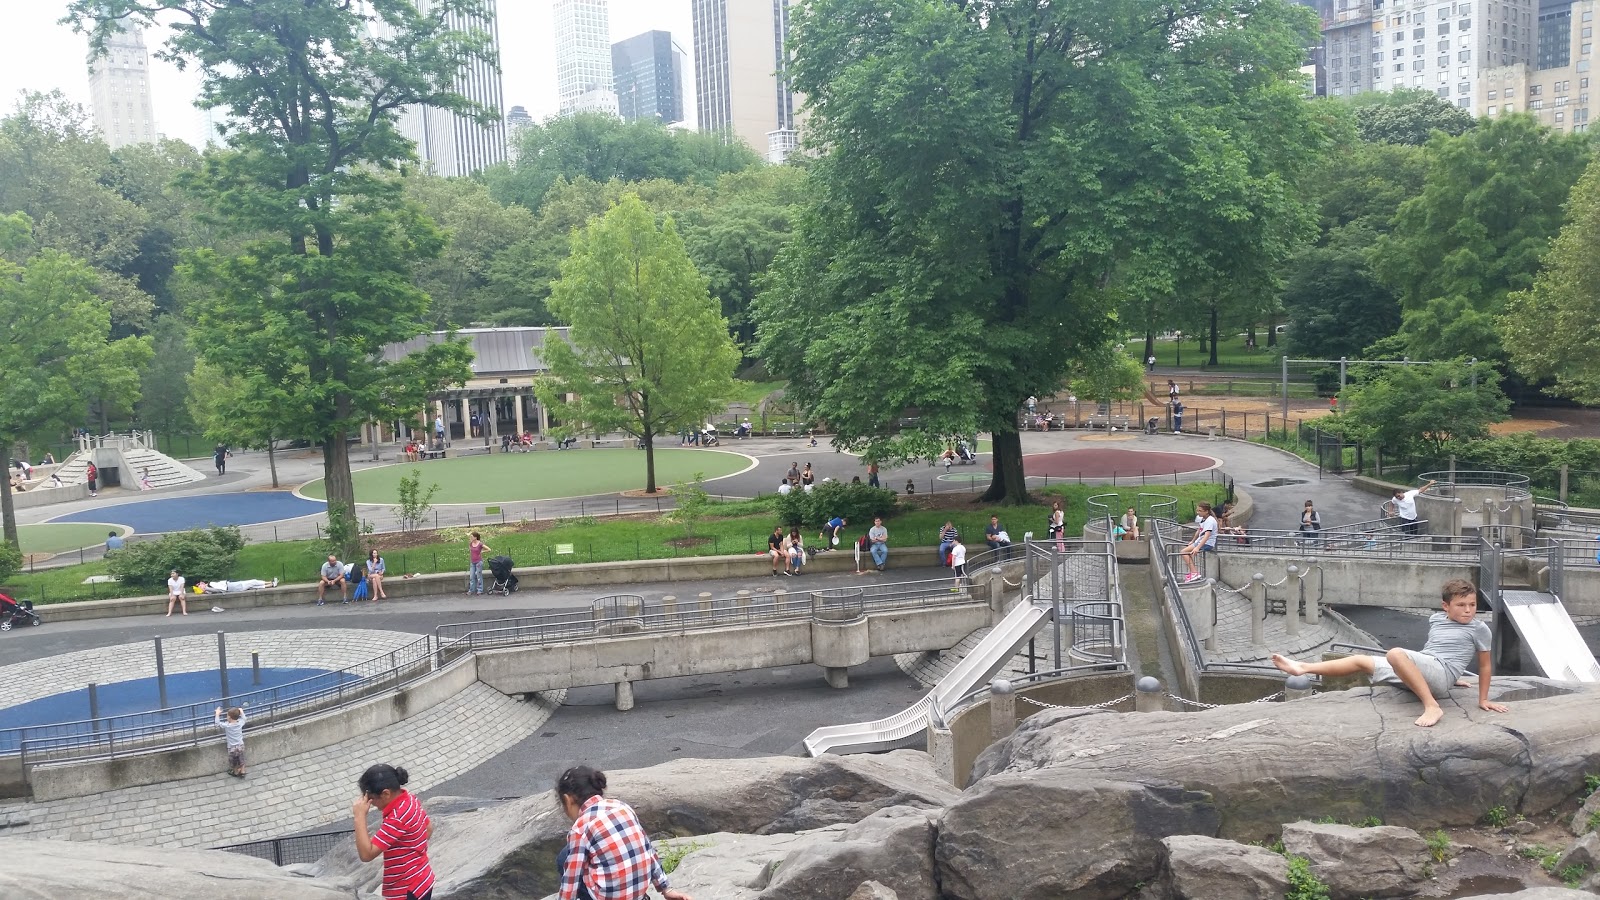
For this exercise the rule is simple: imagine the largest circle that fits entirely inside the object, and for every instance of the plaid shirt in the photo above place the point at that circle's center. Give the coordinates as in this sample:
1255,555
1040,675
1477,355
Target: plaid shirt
609,853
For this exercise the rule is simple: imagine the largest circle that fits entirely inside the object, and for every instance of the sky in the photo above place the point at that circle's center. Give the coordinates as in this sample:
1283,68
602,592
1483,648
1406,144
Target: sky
39,55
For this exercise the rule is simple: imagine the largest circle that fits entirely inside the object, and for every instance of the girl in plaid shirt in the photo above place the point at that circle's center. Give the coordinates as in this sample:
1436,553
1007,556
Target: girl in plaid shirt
608,856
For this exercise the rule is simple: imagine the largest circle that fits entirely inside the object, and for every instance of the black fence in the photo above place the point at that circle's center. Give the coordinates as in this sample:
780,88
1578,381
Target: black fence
288,851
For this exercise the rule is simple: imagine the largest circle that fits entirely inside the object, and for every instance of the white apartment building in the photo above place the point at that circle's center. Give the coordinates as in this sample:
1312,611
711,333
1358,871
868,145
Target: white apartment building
119,90
1442,46
740,54
583,57
1555,89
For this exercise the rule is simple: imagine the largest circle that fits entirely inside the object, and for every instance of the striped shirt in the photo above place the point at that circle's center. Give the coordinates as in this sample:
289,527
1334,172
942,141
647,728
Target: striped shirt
609,853
403,838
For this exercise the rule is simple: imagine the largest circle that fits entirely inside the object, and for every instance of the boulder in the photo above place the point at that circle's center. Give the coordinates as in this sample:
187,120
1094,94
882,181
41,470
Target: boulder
72,870
509,850
1205,868
871,890
740,866
1342,754
1538,893
893,846
1580,819
1585,852
1055,835
1386,861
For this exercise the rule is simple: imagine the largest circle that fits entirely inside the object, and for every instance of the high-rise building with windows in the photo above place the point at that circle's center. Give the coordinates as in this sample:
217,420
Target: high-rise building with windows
740,59
583,57
450,144
648,72
119,90
1555,88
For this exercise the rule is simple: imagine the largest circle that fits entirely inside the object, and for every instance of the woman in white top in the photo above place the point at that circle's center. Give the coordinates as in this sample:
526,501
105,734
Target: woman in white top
1130,525
175,593
1058,526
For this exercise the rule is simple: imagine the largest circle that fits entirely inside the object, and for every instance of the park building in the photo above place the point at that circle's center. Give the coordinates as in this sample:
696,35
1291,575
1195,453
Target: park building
119,89
1555,88
505,363
741,56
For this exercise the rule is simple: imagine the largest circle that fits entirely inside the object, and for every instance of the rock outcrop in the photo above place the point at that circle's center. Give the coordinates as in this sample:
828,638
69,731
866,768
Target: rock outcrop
1386,861
1203,868
893,847
73,870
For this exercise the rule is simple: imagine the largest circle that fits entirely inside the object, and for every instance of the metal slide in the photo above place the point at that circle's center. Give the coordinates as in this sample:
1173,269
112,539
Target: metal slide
1549,636
1002,642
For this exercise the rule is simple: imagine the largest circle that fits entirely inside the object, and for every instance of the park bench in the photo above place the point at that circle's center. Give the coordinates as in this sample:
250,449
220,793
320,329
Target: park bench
470,451
430,453
606,442
1109,420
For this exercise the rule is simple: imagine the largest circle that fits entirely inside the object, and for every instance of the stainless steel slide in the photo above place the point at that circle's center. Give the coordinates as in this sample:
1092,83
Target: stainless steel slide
1549,636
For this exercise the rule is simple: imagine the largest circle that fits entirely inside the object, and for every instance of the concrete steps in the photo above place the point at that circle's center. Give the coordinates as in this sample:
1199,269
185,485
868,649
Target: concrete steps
163,471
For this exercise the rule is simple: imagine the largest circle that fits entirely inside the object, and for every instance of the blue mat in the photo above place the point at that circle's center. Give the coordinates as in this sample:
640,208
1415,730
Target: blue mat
183,513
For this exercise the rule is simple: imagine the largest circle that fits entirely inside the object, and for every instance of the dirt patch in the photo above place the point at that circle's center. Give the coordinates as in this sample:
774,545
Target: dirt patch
1515,426
685,543
646,495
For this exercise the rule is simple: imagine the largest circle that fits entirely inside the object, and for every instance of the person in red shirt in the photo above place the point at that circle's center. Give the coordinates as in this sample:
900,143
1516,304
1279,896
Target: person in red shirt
402,839
607,856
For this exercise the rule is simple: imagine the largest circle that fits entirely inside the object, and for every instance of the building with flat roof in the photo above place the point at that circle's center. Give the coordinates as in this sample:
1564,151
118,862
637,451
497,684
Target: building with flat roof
1555,88
1443,47
505,362
647,71
740,58
119,90
583,56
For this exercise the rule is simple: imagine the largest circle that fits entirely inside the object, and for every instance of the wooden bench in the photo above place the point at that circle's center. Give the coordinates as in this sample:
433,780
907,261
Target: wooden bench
431,454
1103,420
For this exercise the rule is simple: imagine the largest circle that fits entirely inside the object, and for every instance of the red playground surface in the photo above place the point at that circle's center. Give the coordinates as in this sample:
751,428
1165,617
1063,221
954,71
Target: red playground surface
1114,463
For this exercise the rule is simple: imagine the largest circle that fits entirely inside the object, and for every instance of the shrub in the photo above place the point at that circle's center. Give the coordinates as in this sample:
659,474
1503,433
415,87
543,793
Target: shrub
10,560
1496,817
692,501
1303,883
201,555
856,502
415,500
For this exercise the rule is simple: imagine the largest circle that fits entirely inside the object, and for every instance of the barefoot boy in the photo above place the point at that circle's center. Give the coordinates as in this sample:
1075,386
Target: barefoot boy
233,732
1453,636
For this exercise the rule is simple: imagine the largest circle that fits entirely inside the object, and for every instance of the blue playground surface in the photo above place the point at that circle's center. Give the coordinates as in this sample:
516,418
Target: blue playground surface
183,513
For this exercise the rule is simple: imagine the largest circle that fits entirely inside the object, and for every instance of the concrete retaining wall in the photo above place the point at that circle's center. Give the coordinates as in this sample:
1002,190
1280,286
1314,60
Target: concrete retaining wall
38,495
1354,580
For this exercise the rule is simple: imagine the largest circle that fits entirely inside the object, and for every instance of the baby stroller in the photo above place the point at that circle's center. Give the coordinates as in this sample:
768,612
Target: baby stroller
13,612
505,580
964,453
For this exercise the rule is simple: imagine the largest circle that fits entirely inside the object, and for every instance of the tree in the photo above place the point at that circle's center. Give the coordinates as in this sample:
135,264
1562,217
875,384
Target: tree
57,351
1553,328
1407,116
1336,306
1422,408
164,384
486,240
648,352
316,90
246,409
1489,207
1107,373
988,170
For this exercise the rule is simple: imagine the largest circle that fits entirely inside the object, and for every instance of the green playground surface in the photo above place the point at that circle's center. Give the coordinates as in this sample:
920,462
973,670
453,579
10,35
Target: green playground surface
540,475
52,538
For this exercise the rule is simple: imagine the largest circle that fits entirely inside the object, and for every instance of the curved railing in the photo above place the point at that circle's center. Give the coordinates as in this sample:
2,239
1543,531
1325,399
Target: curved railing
1451,484
1147,504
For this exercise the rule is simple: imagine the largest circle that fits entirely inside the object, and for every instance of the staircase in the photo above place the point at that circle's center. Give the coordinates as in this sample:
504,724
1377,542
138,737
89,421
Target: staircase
164,471
131,456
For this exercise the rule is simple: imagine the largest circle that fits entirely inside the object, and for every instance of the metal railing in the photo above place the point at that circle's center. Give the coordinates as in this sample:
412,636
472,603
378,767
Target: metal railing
1454,484
1162,555
109,737
289,851
940,718
1146,504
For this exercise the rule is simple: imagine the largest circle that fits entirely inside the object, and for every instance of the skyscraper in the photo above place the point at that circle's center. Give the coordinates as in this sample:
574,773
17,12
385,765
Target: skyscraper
583,56
740,55
648,69
119,89
518,118
450,144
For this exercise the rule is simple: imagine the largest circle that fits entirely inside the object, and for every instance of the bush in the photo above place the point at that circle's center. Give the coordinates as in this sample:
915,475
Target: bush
10,560
200,555
856,502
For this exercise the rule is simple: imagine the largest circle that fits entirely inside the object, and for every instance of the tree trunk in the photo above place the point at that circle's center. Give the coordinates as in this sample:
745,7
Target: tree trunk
341,488
1149,345
649,461
1213,357
7,511
1272,332
1008,485
272,462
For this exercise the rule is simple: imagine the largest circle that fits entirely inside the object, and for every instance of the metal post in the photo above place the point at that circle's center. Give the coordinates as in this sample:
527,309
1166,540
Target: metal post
1562,494
1297,687
255,667
1344,370
1002,709
222,663
161,673
1291,609
1148,696
94,705
1285,389
1258,609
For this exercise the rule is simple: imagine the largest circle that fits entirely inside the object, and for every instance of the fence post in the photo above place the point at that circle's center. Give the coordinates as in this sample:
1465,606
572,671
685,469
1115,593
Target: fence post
1147,695
1561,494
1002,709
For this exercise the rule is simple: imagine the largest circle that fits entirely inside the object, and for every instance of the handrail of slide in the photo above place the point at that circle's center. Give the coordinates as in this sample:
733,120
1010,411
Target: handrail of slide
999,645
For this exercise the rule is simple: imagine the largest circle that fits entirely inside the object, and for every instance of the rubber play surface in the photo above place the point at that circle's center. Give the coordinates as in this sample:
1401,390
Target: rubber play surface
182,513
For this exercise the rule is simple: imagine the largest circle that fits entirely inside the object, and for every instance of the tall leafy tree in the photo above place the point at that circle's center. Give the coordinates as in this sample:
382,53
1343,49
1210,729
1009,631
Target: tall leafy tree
56,352
988,167
1423,408
1407,116
1489,207
648,351
1552,328
316,90
487,241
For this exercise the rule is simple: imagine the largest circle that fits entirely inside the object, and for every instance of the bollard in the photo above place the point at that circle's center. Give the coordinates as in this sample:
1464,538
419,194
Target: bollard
1211,431
222,664
1455,516
1291,608
1313,612
161,673
255,667
1297,687
1211,633
1002,709
94,705
997,595
624,695
1258,609
704,602
1148,695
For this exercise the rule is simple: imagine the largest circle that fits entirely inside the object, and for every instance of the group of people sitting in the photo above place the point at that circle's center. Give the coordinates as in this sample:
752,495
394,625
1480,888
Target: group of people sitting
414,449
516,443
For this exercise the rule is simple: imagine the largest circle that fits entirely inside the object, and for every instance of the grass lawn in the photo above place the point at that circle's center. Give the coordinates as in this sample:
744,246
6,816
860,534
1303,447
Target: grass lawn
500,477
48,538
751,393
1231,352
739,527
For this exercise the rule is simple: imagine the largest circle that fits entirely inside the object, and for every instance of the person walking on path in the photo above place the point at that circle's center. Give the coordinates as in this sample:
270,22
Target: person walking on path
878,541
1150,363
375,570
1455,635
608,854
1404,506
958,563
872,475
233,734
92,476
475,550
1310,522
219,458
402,838
1058,527
175,595
1172,391
331,574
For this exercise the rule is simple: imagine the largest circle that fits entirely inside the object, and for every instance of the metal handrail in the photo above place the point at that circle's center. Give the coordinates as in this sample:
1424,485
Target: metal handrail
940,718
1162,557
1516,486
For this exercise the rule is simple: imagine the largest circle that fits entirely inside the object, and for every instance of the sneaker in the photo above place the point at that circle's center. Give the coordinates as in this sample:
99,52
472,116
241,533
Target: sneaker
274,583
1192,576
321,602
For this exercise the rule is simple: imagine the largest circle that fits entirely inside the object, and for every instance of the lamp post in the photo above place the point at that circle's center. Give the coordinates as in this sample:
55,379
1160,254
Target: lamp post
1180,349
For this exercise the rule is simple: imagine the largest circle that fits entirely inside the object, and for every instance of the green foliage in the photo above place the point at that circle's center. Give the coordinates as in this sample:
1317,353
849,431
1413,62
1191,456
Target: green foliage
164,386
1529,454
415,500
673,853
1591,783
1424,409
1368,822
1303,883
199,555
341,532
1551,329
483,272
692,504
1407,116
1107,373
856,503
10,560
1496,817
1336,306
648,351
1593,822
1439,846
1572,875
1489,207
991,168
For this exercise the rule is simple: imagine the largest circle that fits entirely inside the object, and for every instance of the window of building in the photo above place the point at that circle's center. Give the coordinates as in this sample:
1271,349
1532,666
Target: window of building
1536,104
1464,25
1588,31
1563,101
1443,92
1510,92
1464,56
1492,95
1416,65
1491,110
1510,108
1399,52
1463,88
1417,50
1560,117
1535,90
1584,50
1444,45
1464,102
1400,67
1588,15
1418,34
1444,27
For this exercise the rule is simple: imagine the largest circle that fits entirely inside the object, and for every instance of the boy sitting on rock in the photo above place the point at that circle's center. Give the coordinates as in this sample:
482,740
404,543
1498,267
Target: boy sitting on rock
1454,634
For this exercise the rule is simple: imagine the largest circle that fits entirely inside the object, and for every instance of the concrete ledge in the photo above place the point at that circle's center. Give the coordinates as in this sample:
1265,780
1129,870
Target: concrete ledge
56,782
1377,486
37,495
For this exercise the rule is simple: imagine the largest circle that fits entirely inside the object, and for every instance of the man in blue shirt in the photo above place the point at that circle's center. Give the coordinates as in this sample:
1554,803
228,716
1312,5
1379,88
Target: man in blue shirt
113,541
832,533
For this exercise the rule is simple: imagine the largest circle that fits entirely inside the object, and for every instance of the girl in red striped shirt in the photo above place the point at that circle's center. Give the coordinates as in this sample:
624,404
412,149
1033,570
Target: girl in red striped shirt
402,839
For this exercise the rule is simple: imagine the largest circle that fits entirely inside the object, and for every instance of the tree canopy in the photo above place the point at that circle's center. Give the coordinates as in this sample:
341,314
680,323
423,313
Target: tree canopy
987,171
1407,116
648,352
1423,408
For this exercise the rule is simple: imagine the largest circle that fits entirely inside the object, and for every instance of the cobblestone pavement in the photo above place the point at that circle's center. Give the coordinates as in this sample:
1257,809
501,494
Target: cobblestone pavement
294,793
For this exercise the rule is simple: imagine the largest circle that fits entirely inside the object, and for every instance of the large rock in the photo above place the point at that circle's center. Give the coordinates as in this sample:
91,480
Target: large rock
1580,819
1206,868
872,890
69,870
1585,852
893,847
1538,893
1387,861
1054,835
509,851
1343,754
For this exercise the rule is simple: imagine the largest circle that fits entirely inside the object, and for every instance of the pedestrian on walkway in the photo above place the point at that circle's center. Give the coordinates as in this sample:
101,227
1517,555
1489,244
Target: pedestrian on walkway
402,839
1310,523
958,563
92,476
1058,527
475,548
1150,363
233,733
175,594
1404,506
872,475
219,458
608,854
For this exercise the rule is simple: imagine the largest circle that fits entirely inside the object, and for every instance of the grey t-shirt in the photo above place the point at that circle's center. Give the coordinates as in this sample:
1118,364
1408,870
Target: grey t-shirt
878,534
332,570
1456,645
